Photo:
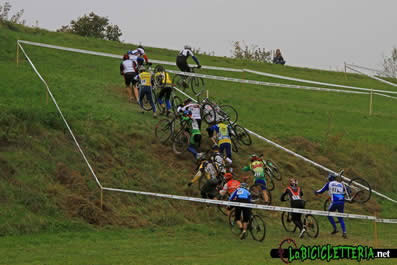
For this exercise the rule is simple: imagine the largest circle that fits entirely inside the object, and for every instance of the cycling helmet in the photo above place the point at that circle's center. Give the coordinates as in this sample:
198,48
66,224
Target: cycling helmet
126,57
159,68
188,47
243,185
331,176
254,157
293,182
228,176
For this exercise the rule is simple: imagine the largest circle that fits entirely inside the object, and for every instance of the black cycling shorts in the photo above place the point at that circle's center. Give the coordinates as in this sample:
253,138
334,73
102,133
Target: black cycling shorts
246,212
129,78
181,62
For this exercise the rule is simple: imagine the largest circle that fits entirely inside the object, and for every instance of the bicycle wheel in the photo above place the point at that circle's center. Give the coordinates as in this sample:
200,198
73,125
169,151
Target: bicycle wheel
228,112
242,135
146,104
274,169
311,225
269,182
197,84
327,202
222,208
233,225
175,102
234,145
257,228
181,142
288,224
163,130
208,113
358,192
180,82
257,195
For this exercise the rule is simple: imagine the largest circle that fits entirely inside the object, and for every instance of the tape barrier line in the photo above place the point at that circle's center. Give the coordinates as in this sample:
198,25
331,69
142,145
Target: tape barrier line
254,206
205,67
376,78
298,155
253,82
383,95
63,117
379,72
327,84
225,79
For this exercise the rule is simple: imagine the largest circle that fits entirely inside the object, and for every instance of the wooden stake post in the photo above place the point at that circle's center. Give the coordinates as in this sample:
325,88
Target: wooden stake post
370,102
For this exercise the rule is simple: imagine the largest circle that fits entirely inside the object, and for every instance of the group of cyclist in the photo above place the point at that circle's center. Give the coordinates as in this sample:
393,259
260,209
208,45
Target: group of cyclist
216,168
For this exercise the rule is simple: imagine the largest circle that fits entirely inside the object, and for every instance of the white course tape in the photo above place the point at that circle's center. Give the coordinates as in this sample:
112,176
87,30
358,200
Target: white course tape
376,78
383,95
63,118
255,206
298,155
378,72
261,83
205,67
224,79
321,83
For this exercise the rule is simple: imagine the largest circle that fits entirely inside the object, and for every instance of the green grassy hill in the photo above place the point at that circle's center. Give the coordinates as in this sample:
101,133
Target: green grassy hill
45,186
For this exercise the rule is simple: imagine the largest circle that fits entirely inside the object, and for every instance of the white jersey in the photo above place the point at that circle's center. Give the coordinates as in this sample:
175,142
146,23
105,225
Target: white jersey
137,52
195,109
186,53
128,66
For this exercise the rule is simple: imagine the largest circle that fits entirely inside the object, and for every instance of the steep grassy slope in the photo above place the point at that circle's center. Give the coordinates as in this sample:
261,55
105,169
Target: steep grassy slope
45,185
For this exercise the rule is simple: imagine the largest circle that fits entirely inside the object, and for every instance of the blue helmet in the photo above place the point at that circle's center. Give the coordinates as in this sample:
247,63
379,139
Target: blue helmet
331,176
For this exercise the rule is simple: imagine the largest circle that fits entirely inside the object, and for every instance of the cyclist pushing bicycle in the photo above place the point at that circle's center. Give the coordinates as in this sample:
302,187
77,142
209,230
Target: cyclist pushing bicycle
257,167
181,59
336,190
295,194
242,194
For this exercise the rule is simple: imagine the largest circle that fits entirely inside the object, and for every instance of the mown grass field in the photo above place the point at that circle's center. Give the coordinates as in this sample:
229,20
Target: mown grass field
47,194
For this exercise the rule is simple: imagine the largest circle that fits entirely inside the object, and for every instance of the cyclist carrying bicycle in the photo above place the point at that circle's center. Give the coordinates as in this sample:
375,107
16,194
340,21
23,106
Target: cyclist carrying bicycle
336,191
295,194
257,167
188,104
220,135
145,88
242,194
165,81
195,134
181,59
128,69
138,55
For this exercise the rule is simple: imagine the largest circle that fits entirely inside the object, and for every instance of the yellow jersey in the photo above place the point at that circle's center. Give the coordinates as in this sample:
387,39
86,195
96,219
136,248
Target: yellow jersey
145,78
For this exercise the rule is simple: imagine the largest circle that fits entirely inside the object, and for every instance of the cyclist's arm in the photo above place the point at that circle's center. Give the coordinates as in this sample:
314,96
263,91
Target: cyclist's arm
234,194
224,190
194,58
146,58
282,198
121,68
325,188
198,174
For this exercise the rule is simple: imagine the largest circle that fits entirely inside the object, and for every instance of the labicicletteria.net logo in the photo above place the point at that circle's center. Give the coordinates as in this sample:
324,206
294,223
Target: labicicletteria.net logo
289,252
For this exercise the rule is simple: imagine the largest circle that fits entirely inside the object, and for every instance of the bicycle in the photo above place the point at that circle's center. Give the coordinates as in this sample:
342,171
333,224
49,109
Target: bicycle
271,168
257,194
309,223
356,190
256,226
183,81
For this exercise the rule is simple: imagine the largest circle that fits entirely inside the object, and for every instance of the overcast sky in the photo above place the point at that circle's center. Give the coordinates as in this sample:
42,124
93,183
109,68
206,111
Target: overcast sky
312,33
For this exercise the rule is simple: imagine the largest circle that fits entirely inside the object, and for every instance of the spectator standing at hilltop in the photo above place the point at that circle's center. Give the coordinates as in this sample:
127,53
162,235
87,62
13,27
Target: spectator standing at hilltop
278,58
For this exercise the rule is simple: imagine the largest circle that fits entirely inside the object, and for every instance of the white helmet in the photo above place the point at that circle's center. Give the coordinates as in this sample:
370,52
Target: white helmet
187,47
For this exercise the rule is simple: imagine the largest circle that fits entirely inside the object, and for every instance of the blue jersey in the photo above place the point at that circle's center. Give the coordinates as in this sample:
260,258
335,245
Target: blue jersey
240,193
336,191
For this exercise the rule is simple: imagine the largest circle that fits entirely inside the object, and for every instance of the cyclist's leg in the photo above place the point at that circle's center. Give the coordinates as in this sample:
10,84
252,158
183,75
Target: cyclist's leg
167,97
237,217
141,96
228,150
340,209
246,217
135,87
263,187
149,96
332,208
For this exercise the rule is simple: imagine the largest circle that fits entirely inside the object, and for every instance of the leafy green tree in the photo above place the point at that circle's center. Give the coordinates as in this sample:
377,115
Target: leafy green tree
251,53
92,25
16,18
390,64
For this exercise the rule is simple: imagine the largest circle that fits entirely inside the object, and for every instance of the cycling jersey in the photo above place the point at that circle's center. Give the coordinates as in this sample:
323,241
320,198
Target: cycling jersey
145,79
165,78
219,161
257,168
208,169
195,109
181,59
230,187
127,66
222,133
295,197
239,194
336,191
135,54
